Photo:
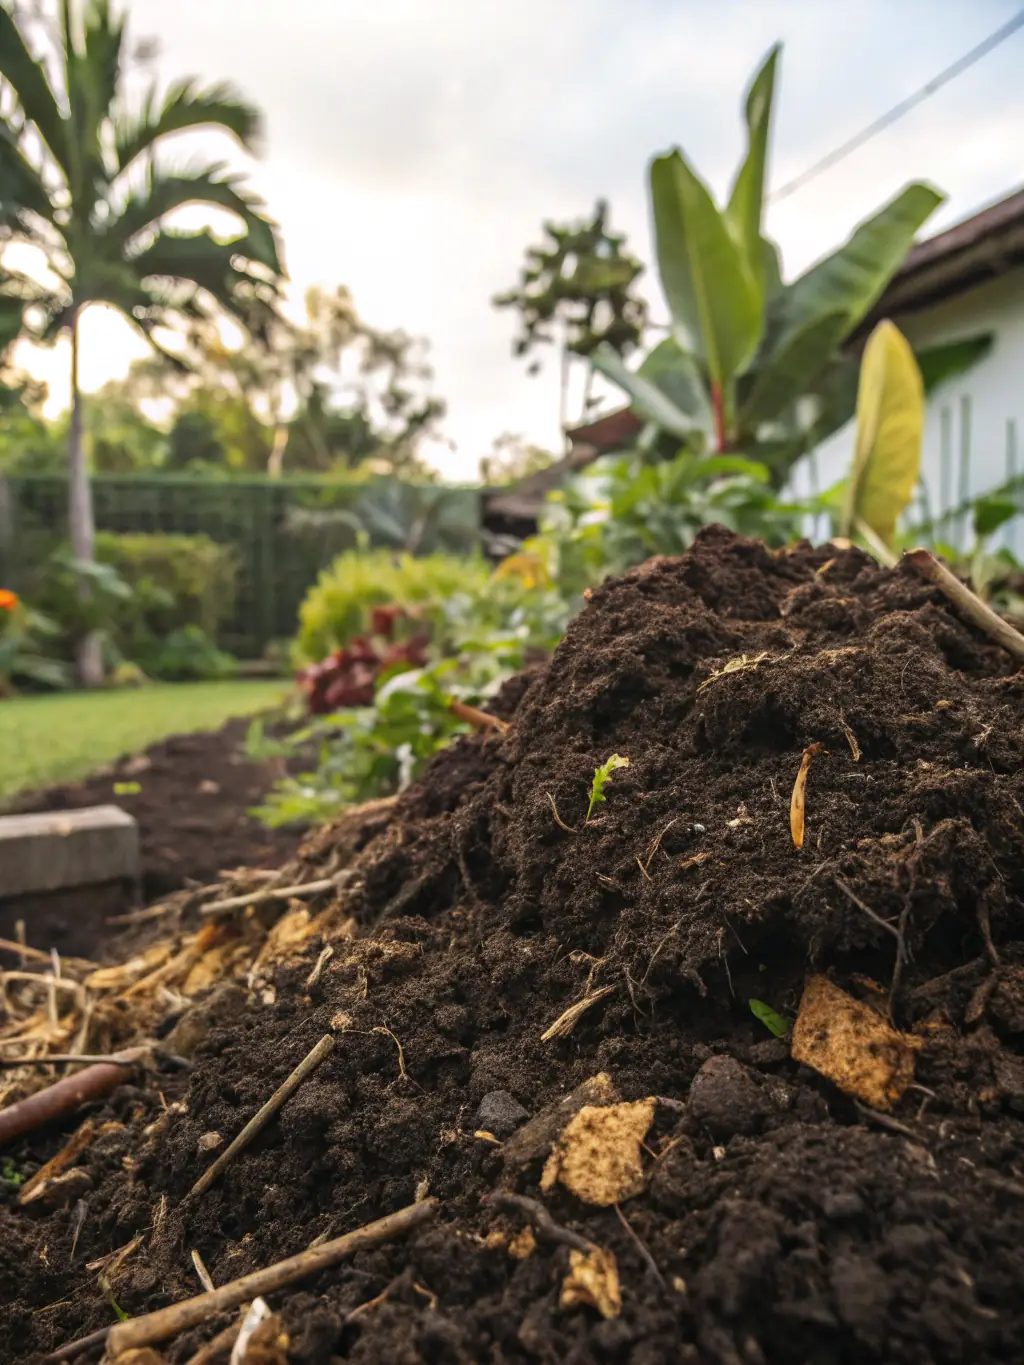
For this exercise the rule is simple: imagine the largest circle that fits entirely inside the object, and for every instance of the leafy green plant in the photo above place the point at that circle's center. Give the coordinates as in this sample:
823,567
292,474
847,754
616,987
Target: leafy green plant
339,604
602,776
754,365
176,581
772,1020
187,655
624,509
25,635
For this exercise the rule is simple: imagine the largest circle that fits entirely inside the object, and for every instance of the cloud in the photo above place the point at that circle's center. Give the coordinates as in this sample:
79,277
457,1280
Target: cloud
414,148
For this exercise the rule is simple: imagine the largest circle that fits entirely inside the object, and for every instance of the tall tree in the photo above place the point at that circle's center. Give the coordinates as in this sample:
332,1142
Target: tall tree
577,290
84,180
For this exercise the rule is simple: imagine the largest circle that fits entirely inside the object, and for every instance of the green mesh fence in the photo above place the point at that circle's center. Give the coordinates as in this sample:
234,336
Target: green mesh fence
284,530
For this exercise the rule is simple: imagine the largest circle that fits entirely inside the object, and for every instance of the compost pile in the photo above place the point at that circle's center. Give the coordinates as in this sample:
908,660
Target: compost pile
544,1023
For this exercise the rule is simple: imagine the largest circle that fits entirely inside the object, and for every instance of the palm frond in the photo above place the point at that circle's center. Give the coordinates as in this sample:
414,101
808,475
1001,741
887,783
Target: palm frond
192,270
186,105
29,82
22,191
167,191
93,71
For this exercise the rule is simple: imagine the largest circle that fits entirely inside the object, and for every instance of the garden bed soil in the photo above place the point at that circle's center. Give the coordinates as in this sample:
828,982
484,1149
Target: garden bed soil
777,1220
192,807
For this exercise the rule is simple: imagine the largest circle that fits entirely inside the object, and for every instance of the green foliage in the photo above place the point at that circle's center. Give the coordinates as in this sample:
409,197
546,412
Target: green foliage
11,1175
484,633
338,606
157,600
177,581
187,655
577,289
772,1020
25,635
602,776
624,509
746,348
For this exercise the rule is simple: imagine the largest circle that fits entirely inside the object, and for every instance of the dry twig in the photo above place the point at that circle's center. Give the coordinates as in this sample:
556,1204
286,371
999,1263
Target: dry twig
539,1218
644,1250
480,720
977,612
260,1119
270,893
566,1022
169,1322
558,819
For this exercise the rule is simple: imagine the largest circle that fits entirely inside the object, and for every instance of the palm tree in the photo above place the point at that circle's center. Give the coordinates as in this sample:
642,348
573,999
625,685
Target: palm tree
83,181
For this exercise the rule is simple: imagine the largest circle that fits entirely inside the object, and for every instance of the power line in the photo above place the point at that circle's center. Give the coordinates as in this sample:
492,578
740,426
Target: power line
898,110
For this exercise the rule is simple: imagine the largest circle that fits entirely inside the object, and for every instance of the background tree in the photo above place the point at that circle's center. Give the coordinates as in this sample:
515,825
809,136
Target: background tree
326,394
512,458
576,291
85,182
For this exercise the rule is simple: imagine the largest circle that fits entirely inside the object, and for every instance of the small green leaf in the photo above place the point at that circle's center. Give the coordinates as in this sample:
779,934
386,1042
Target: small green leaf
990,514
127,788
772,1020
602,776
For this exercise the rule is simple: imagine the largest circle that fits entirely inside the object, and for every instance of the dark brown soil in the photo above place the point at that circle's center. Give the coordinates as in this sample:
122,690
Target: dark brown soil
192,809
780,1224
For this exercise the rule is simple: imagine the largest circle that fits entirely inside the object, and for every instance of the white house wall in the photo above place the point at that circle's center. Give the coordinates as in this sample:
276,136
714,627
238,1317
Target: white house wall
974,427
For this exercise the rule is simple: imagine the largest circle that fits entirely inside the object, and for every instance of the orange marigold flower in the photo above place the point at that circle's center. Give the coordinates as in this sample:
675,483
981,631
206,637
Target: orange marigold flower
8,599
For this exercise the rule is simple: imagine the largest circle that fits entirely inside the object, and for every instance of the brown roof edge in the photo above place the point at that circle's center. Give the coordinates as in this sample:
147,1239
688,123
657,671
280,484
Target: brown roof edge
1005,213
609,432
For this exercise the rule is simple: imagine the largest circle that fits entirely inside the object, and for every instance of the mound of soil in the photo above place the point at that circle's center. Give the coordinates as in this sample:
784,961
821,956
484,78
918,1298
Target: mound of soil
771,1218
192,807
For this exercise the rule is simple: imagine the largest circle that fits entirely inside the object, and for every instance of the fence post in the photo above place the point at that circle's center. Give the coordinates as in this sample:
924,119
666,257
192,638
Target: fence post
268,568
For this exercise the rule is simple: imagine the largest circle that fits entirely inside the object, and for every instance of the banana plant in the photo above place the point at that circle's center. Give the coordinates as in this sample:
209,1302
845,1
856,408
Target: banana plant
752,365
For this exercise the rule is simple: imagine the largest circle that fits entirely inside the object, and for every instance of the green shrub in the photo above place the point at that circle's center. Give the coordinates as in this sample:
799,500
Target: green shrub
338,605
177,581
187,655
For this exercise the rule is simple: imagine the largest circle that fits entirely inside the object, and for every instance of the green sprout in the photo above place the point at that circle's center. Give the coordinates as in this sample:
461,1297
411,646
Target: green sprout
10,1174
602,776
772,1020
127,788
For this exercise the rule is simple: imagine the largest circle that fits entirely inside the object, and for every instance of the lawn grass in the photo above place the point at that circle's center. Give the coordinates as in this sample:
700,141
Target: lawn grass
46,740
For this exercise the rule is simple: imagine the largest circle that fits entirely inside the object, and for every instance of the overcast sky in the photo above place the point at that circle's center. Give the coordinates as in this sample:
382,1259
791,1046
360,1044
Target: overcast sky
414,146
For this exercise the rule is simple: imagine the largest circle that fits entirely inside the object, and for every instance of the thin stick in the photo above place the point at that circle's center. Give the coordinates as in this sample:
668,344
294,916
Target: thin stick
217,1347
269,893
54,1057
66,1095
644,1250
179,1317
260,1120
24,951
871,914
77,1348
976,611
140,916
539,1218
480,720
565,1023
558,819
202,1274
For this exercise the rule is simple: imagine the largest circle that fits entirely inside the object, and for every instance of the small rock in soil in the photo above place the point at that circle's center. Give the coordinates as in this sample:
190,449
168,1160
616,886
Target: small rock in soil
726,1100
500,1113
